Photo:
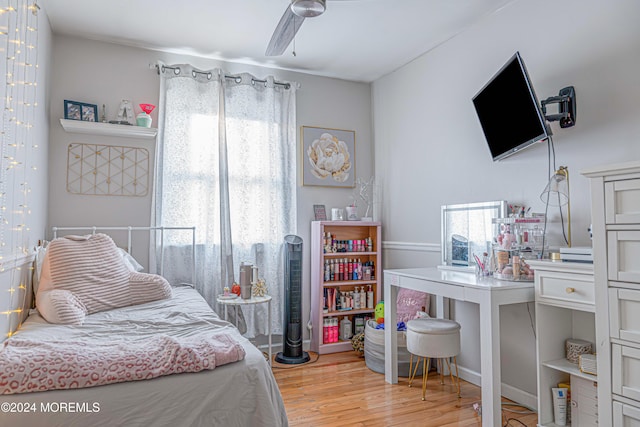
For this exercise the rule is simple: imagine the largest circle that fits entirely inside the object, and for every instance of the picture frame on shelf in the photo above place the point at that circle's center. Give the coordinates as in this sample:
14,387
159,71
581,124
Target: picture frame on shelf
328,157
319,212
74,110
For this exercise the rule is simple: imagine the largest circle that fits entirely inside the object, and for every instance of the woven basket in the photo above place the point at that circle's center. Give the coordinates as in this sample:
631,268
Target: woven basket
575,347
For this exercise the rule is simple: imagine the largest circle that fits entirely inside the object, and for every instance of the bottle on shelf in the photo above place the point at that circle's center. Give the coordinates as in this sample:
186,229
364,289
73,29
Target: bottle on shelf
325,330
370,297
345,329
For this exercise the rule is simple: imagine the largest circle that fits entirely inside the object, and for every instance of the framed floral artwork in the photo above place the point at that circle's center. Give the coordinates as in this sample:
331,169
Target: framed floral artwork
328,157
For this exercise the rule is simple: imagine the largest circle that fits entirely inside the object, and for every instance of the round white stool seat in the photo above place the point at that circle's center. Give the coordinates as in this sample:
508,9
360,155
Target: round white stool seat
433,338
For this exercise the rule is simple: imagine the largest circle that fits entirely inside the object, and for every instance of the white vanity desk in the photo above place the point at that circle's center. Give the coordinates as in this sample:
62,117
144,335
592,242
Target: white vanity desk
487,292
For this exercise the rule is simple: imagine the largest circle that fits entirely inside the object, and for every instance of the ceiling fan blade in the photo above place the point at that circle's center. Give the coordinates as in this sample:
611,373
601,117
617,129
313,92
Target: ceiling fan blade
284,33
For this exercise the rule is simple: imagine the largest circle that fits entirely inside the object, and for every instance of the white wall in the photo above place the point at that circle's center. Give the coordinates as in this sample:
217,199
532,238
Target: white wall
102,73
430,150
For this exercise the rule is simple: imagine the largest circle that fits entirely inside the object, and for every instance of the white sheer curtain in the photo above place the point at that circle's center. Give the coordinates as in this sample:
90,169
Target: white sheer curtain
226,163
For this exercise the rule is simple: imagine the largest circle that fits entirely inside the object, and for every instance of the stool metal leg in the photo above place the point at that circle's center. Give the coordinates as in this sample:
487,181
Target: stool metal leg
455,382
455,361
412,374
425,374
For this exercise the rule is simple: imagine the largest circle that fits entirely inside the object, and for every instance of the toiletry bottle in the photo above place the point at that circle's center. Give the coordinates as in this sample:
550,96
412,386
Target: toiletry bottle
370,297
335,329
342,324
516,266
363,298
345,329
325,330
356,299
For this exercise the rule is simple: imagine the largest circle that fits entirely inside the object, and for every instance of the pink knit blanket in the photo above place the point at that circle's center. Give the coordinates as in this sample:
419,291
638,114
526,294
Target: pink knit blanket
28,366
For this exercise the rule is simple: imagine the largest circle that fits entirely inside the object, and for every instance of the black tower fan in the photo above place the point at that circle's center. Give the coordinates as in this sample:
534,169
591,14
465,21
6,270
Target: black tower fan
292,333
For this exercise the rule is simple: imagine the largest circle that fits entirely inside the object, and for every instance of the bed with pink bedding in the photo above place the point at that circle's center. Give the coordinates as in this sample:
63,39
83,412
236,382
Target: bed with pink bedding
127,374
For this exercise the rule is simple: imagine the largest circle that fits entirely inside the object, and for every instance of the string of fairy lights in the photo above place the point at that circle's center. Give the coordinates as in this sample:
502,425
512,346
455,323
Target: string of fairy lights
18,48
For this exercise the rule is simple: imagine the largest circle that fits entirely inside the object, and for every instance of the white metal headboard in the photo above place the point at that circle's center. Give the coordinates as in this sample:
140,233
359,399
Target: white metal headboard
130,229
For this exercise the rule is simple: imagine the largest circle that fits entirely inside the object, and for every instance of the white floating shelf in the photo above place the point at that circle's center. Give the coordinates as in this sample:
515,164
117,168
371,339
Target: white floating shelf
570,368
108,129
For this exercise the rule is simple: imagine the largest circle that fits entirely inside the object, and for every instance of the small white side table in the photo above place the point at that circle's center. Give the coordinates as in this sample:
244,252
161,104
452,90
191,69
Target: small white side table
253,300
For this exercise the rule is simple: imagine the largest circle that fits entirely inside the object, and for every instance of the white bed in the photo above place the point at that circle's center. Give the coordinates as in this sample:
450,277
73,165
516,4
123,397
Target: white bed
242,393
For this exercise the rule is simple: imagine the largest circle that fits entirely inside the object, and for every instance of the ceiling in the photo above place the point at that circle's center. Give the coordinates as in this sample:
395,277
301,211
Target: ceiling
359,40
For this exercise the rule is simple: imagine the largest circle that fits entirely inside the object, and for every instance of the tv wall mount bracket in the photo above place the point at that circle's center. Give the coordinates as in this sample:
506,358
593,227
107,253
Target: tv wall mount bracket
566,109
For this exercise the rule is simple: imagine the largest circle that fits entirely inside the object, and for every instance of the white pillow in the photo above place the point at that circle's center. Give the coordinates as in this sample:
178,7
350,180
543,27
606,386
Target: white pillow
130,262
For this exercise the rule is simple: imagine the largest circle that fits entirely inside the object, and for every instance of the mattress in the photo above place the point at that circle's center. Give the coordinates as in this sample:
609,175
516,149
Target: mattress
242,393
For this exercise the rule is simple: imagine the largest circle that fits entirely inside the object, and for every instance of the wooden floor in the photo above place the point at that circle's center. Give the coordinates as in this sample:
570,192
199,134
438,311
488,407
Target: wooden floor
339,390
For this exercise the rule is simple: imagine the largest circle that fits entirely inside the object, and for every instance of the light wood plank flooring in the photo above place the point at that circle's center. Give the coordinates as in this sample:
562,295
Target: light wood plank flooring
339,390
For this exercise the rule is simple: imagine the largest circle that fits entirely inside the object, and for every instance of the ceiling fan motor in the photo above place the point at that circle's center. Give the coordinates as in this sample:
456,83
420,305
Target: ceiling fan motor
308,8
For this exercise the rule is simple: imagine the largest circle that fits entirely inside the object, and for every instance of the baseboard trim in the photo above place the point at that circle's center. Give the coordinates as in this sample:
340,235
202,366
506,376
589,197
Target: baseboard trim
510,392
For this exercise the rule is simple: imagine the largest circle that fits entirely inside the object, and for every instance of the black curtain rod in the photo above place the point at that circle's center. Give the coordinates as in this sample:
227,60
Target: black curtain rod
237,79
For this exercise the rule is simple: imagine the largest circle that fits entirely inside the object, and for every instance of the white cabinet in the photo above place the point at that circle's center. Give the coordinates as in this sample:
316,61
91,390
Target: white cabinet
565,307
615,213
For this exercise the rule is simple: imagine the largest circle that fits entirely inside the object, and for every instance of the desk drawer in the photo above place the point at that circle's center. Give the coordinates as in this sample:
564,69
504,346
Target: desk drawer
625,371
565,289
622,202
625,415
624,310
623,255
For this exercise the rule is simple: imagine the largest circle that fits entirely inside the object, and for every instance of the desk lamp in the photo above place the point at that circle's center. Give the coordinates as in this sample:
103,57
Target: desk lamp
556,193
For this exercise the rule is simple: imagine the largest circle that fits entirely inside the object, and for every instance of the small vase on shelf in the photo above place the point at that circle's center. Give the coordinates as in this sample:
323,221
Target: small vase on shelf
144,119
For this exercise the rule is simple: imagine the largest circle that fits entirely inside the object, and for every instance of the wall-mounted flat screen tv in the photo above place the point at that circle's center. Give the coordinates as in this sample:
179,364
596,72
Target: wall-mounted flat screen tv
509,111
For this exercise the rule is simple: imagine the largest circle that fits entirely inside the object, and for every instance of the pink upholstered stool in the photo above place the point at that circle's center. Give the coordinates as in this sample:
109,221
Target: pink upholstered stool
431,338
